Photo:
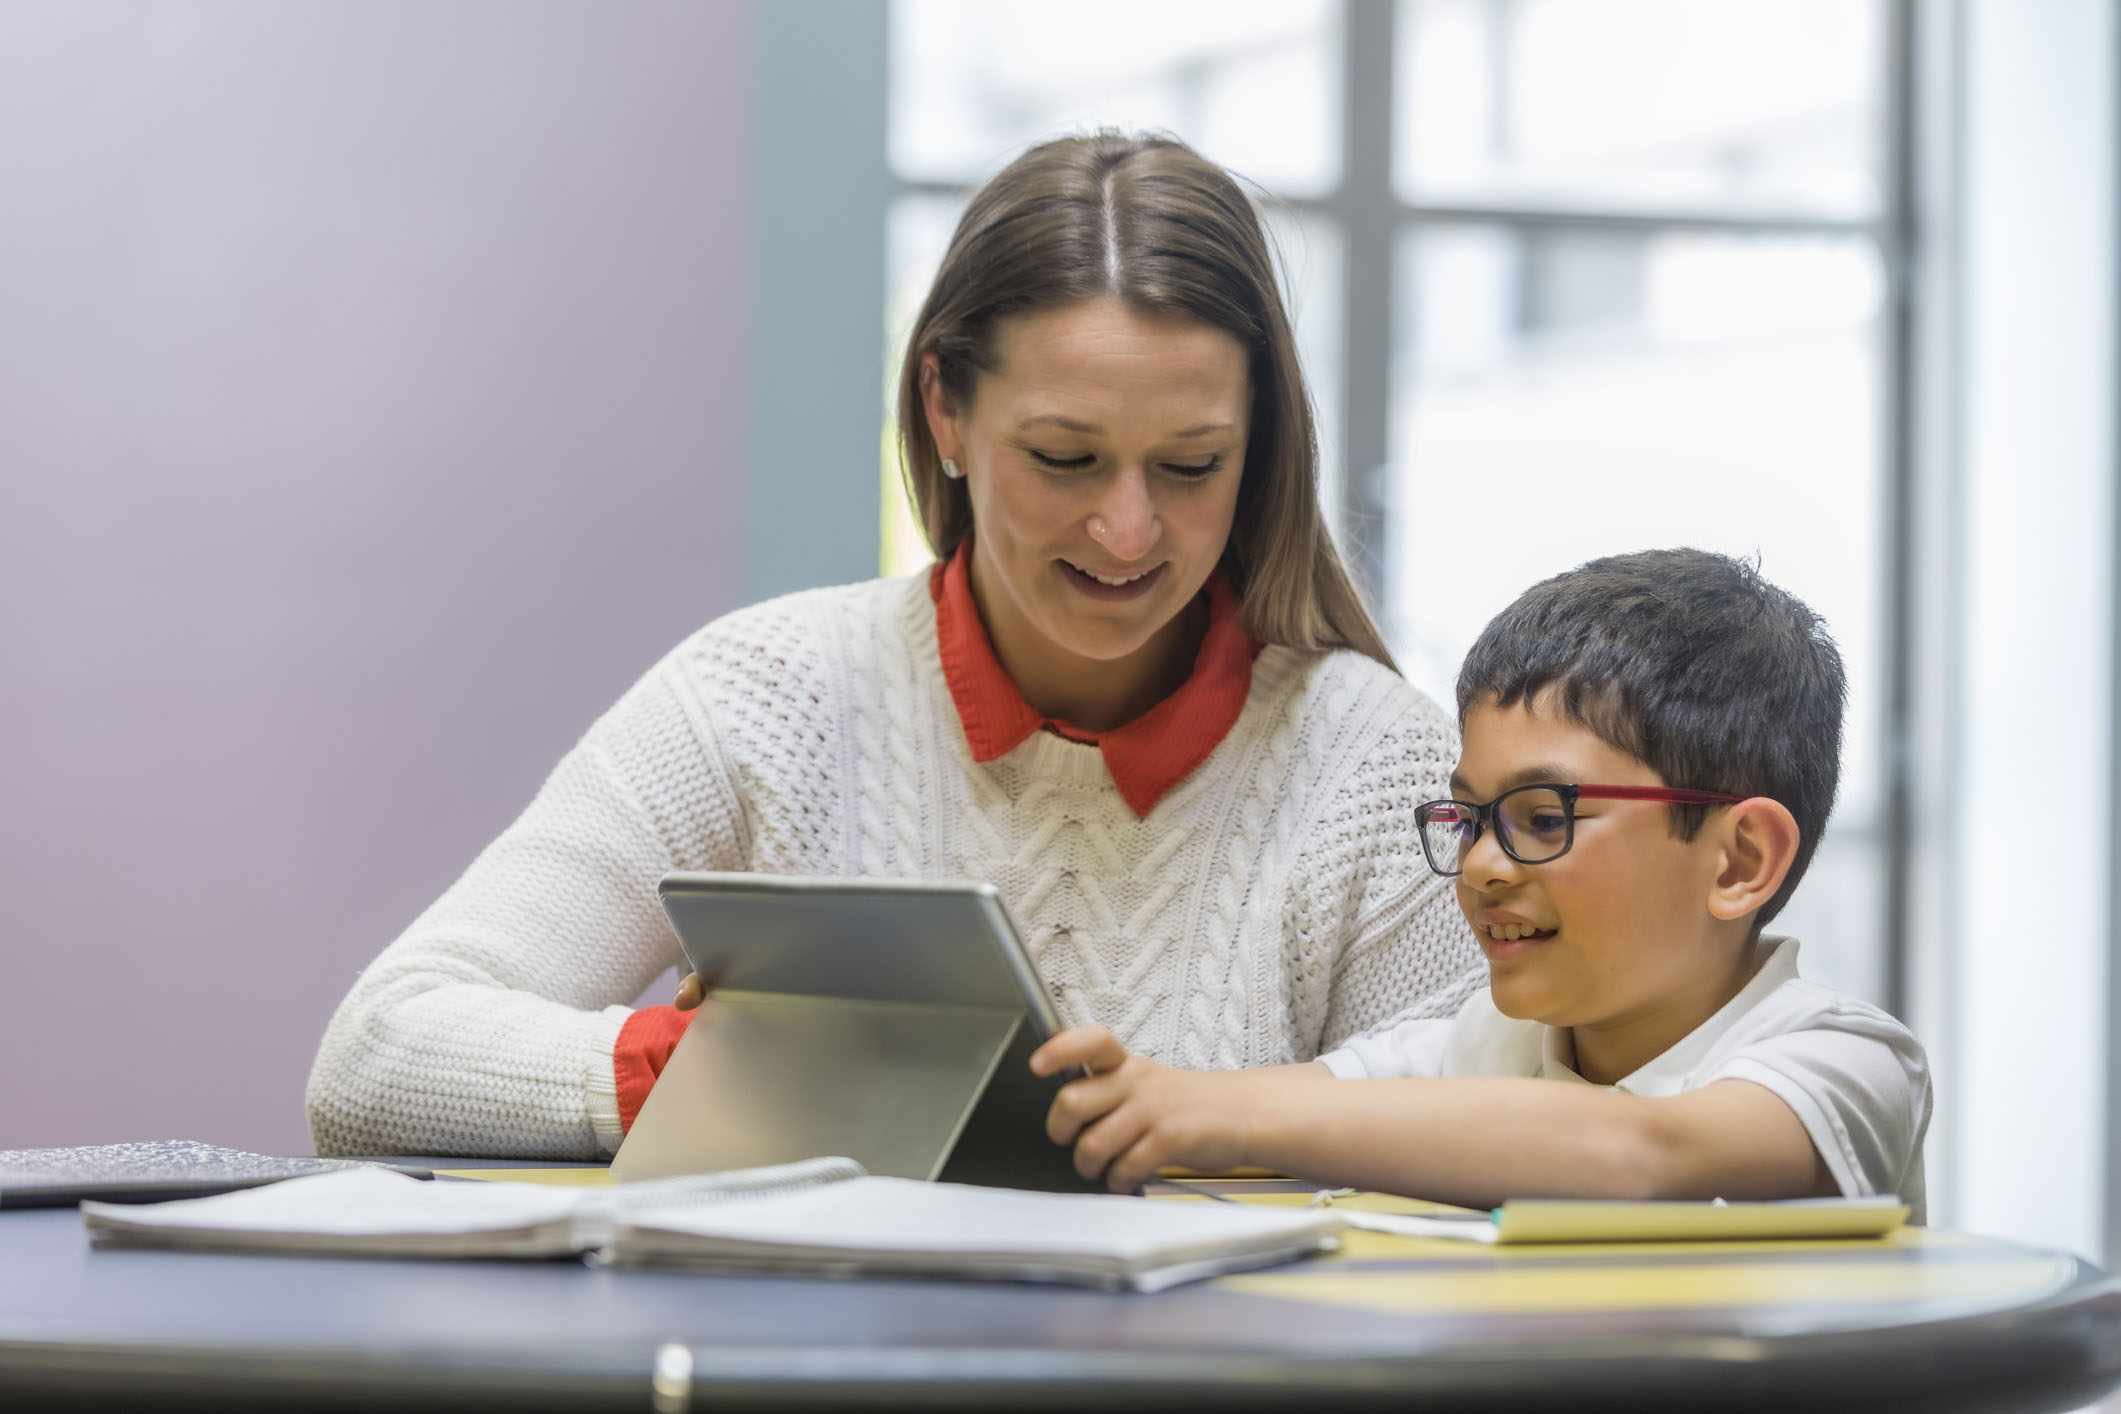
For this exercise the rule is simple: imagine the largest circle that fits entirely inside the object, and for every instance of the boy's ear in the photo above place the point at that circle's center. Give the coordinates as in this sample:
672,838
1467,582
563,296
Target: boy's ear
1759,840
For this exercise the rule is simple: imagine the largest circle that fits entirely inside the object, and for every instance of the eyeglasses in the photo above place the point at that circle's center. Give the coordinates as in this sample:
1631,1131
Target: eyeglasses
1533,824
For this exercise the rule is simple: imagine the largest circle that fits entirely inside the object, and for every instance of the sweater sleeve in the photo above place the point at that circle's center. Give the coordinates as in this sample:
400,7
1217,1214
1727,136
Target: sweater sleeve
488,1027
1401,948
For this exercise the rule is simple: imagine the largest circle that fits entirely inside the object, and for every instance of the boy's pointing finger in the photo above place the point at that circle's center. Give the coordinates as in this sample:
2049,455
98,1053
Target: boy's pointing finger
1091,1047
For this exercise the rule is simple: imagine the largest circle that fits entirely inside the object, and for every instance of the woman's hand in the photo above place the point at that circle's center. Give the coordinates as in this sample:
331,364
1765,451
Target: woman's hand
690,992
1130,1116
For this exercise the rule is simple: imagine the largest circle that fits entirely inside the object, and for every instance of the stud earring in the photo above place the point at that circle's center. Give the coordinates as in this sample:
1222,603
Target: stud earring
951,469
1096,527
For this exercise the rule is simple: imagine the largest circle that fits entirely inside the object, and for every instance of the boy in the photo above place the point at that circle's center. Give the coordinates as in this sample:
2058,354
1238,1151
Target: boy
1650,748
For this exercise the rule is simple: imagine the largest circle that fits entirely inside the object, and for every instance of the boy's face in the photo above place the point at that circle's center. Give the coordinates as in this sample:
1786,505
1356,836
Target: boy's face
1619,927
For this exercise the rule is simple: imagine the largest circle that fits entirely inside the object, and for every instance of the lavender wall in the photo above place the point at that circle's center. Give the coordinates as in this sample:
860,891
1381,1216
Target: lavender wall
369,413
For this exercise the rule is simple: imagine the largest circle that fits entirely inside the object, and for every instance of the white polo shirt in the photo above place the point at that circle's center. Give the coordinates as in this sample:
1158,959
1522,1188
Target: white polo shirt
1856,1078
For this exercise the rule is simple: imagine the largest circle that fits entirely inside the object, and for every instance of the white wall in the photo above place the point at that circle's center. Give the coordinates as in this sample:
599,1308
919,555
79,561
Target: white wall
2023,1064
371,414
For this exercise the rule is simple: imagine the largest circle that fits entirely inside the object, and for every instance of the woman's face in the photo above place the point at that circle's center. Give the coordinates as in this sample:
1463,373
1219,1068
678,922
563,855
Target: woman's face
1102,456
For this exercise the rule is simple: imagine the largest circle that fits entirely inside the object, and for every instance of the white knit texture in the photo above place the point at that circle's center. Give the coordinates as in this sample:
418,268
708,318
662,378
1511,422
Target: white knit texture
1271,906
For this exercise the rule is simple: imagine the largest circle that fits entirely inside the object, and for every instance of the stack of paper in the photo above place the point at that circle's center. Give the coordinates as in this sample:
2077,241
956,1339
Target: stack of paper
822,1216
362,1212
899,1225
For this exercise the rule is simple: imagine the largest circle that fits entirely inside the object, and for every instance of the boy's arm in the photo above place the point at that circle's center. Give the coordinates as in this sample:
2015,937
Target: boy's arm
1471,1140
1479,1140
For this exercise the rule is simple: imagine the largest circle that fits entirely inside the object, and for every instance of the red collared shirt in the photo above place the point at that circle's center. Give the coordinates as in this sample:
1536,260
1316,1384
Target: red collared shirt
1147,756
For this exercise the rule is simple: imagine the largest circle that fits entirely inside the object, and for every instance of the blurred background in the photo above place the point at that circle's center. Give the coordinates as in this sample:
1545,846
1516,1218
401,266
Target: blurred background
385,385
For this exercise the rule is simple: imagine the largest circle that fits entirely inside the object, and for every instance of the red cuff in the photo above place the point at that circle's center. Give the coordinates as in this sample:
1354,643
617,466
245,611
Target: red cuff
644,1047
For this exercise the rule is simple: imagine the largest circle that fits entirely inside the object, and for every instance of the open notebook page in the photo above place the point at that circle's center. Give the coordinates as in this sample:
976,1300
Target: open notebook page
900,1226
361,1211
379,1213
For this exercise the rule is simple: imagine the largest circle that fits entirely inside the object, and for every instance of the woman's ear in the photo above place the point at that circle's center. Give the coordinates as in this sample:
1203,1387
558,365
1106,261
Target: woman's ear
1759,839
942,417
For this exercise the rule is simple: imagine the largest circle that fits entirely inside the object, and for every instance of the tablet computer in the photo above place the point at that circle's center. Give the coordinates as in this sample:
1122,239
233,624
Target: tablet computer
888,1020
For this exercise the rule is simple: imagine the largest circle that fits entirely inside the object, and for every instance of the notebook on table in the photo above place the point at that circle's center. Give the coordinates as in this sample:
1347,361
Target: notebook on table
1547,1220
821,1217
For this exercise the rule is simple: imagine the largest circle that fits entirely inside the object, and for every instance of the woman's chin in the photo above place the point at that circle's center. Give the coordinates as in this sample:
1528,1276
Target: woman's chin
1104,633
1087,642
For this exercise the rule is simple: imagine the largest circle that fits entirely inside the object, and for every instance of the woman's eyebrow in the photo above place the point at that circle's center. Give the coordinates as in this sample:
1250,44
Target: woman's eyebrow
1092,429
1068,423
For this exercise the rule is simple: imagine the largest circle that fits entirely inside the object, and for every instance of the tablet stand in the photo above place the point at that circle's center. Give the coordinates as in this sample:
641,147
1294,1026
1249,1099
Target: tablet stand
909,1089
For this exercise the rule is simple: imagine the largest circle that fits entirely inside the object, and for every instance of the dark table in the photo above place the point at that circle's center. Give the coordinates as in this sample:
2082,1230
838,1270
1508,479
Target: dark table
1925,1320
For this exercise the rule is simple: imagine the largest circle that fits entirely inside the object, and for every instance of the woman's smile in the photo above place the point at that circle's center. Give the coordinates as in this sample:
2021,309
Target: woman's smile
1109,588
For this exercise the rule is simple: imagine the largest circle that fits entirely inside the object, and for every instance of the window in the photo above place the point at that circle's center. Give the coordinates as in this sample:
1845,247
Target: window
1637,294
1574,276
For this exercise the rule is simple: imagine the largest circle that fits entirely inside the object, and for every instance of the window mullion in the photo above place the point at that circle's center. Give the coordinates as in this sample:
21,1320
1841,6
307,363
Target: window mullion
1369,212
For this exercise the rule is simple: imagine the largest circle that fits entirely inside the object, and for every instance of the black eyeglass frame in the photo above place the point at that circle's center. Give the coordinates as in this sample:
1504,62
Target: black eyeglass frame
1484,815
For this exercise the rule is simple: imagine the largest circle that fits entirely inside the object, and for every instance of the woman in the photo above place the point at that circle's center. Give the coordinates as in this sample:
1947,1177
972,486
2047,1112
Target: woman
1137,693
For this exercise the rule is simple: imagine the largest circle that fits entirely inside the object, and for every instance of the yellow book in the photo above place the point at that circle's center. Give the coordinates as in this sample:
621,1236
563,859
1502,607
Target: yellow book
1609,1220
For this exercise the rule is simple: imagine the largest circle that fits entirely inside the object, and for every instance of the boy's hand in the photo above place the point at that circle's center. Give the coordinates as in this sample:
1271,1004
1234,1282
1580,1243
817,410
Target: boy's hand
1131,1116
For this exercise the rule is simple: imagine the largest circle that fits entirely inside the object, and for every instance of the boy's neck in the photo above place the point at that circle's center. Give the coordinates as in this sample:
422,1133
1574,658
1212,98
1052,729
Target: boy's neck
1609,1051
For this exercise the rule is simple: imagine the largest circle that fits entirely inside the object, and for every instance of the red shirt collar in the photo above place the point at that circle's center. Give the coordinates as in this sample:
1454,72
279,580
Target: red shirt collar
1147,756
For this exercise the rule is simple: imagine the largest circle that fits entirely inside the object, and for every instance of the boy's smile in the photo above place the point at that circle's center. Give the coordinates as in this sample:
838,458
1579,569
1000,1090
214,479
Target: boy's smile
1615,938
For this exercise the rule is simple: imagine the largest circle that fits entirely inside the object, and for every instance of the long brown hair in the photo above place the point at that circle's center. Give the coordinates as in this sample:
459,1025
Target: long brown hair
1149,221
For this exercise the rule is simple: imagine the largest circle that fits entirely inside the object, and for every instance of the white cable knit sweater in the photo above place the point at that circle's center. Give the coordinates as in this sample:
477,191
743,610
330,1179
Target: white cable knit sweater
1270,907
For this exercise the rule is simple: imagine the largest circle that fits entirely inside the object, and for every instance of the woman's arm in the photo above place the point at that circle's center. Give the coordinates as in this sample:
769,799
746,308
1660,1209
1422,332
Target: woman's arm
488,1026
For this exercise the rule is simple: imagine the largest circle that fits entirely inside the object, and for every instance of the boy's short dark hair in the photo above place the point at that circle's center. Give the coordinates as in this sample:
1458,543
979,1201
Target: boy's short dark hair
1689,662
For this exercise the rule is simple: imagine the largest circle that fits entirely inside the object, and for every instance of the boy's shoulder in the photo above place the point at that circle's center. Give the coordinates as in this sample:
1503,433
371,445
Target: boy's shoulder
1776,1003
1822,1050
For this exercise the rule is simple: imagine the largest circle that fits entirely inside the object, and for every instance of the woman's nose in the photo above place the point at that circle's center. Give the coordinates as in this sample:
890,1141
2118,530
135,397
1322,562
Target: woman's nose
1126,525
